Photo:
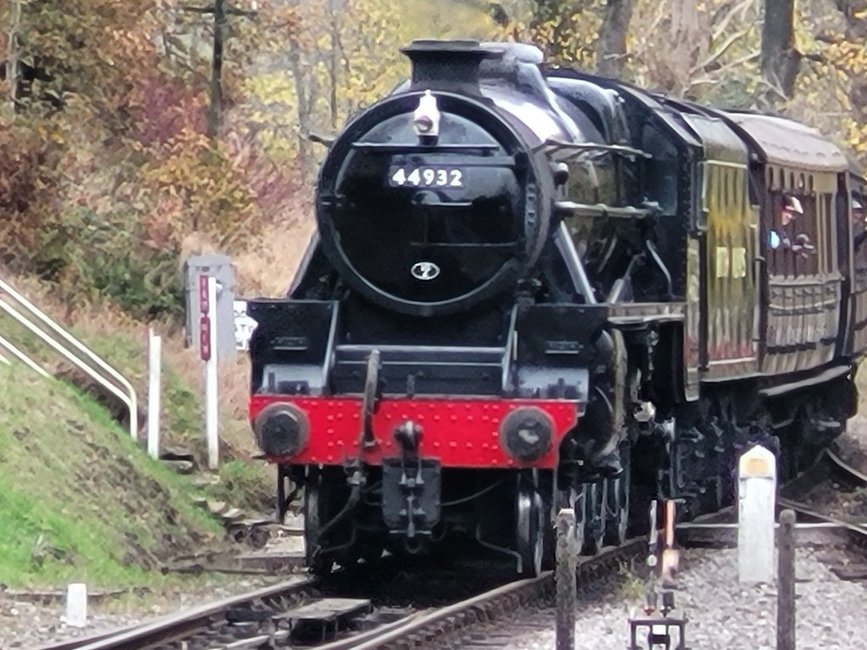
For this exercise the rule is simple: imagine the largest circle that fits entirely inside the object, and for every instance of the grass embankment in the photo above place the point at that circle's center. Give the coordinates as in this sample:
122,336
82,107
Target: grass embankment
243,482
78,500
122,343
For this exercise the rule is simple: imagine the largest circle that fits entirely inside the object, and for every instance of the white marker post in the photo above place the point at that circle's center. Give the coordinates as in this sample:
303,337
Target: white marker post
76,605
757,492
211,372
154,374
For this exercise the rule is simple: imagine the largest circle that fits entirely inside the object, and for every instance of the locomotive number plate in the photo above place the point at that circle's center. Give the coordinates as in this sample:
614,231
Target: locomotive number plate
425,177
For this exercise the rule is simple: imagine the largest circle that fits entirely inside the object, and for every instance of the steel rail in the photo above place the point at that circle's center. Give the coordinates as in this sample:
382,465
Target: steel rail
175,625
839,467
842,466
404,632
453,618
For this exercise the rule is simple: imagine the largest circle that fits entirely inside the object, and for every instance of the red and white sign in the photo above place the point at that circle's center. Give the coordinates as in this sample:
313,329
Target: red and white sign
204,320
205,338
203,295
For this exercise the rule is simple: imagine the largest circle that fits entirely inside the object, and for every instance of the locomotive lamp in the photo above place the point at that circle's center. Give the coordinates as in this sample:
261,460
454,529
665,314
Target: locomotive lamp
281,429
525,434
426,119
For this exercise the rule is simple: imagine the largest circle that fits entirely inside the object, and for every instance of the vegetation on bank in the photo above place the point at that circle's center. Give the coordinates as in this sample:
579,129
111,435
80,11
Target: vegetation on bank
78,500
108,176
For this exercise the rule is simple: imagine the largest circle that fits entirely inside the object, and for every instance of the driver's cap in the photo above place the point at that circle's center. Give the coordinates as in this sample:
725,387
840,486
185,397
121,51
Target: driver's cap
793,204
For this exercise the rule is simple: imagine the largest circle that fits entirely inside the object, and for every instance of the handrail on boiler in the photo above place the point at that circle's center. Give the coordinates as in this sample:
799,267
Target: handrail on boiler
102,373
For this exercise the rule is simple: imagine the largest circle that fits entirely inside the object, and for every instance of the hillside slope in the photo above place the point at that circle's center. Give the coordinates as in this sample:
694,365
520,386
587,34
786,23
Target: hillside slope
79,501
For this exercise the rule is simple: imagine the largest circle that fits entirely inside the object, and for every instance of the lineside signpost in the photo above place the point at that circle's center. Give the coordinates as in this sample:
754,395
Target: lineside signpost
208,353
209,283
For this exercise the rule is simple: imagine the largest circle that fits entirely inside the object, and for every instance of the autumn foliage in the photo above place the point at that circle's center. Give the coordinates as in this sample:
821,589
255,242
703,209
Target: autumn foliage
107,177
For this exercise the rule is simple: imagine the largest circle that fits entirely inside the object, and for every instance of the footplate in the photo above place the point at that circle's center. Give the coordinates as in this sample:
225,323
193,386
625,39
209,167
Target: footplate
411,496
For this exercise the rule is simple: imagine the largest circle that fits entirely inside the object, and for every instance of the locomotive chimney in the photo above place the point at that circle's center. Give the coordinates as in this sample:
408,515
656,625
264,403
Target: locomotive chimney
448,65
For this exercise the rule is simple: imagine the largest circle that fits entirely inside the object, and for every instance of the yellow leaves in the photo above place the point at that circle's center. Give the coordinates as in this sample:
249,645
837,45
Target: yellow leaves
196,187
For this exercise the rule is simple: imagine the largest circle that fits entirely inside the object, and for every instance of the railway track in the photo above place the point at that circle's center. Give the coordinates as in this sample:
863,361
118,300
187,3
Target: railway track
811,495
193,625
842,476
303,614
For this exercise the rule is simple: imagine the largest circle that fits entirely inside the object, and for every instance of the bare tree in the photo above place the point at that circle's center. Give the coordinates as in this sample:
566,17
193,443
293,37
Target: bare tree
855,14
333,56
611,46
12,55
221,13
780,61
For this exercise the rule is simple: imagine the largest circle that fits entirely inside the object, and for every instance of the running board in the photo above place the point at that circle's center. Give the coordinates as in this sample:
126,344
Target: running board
829,375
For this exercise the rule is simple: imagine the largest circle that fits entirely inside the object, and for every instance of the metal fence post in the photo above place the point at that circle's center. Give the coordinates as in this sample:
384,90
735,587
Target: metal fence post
786,582
154,374
567,557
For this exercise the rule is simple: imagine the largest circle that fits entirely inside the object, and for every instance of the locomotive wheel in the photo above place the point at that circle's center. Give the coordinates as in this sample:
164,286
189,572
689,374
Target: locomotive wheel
594,517
316,513
617,508
530,529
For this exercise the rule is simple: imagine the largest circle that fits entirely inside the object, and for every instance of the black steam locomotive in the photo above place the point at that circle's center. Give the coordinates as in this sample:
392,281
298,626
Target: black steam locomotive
532,288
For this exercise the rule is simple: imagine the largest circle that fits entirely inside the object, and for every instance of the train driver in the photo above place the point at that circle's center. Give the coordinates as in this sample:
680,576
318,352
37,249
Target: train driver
782,234
859,217
859,220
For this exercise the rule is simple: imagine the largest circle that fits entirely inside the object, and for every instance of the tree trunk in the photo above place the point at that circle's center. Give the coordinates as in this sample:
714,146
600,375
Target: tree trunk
854,12
780,60
332,62
217,69
611,46
304,98
12,54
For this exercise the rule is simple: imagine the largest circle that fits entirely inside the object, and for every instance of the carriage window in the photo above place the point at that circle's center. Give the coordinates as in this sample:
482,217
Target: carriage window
794,241
831,244
859,224
812,226
859,232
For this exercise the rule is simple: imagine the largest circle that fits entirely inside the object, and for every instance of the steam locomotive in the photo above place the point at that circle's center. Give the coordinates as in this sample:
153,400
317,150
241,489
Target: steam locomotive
533,288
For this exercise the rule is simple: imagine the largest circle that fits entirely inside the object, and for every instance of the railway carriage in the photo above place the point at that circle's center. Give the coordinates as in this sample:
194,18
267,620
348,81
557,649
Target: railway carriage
532,288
